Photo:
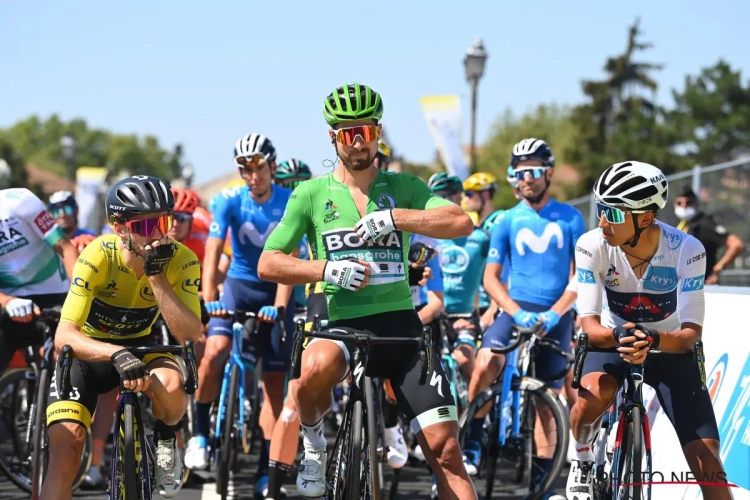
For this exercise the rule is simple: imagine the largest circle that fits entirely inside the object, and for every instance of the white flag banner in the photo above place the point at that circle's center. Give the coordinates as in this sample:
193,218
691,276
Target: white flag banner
89,182
443,114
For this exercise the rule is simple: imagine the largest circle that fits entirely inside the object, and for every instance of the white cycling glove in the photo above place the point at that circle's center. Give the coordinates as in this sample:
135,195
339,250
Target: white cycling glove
344,273
18,308
375,225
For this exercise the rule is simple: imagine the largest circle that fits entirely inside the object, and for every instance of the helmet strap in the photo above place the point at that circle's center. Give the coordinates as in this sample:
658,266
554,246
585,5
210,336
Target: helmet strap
638,231
128,244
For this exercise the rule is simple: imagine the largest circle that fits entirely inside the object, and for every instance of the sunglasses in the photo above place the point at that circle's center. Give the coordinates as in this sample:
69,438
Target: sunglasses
614,215
471,194
347,136
58,210
249,161
535,172
145,227
182,217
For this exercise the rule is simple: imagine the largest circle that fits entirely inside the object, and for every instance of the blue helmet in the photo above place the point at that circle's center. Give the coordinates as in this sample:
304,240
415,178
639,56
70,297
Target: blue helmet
532,149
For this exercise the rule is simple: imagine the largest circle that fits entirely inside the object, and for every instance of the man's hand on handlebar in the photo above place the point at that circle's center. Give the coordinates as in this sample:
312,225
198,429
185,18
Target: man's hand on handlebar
634,344
268,314
133,372
216,309
463,324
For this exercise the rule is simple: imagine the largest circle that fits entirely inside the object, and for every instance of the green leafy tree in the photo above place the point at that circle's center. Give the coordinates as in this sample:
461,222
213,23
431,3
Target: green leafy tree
18,175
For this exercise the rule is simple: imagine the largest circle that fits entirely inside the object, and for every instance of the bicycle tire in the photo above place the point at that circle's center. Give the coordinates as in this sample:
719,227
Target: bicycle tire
490,463
7,467
228,446
250,425
373,438
523,474
334,477
630,459
354,461
538,389
40,455
130,478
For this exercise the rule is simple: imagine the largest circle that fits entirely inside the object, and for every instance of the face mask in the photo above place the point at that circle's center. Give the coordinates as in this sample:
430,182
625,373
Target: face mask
684,213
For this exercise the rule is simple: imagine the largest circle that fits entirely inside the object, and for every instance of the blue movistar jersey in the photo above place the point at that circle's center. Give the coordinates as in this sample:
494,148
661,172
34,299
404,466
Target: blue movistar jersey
251,224
300,297
462,261
80,231
540,247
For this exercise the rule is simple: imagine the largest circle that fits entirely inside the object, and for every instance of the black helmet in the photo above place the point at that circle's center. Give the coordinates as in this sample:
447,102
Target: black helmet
138,195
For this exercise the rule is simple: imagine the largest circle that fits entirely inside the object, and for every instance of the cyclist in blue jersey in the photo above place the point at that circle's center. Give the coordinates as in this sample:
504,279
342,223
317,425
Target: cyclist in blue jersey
538,237
251,212
64,208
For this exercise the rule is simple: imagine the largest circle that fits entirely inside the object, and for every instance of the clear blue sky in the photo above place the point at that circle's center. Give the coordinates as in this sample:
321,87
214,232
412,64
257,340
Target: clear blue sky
205,73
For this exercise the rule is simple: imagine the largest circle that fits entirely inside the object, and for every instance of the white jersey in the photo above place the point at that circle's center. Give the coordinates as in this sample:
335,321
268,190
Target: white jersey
669,293
28,263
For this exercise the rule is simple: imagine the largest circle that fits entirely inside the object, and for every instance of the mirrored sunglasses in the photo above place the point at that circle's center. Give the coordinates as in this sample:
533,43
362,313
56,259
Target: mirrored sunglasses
58,210
145,227
250,161
347,136
535,172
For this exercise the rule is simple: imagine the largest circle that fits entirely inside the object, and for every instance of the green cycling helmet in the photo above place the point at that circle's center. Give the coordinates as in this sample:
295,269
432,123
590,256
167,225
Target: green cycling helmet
444,182
352,102
290,173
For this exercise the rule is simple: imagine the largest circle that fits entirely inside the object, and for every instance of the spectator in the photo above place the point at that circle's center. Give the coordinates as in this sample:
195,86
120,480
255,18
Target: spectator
63,207
713,235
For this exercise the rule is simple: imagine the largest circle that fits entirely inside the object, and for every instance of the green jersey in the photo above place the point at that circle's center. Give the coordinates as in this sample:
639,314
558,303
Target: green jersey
323,209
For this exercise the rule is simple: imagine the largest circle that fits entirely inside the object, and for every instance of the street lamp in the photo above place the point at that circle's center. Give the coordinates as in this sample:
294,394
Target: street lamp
69,153
187,172
476,58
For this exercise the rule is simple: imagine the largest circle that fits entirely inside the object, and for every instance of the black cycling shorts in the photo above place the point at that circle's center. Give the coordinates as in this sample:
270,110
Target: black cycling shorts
423,405
317,303
692,416
90,379
15,335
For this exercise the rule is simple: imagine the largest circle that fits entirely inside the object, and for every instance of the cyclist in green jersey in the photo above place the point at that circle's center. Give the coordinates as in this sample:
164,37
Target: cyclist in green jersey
358,220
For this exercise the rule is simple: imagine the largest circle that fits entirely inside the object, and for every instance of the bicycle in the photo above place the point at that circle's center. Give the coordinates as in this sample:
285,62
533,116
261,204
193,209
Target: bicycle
131,472
458,383
23,397
516,394
354,469
621,476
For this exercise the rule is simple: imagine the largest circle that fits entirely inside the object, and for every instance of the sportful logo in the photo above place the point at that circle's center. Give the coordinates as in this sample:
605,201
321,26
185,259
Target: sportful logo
249,234
539,244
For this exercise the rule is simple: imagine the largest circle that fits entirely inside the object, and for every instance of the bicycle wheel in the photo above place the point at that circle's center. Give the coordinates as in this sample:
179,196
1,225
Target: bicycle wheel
489,462
40,455
375,441
128,455
251,413
628,459
228,445
542,397
337,464
354,461
16,403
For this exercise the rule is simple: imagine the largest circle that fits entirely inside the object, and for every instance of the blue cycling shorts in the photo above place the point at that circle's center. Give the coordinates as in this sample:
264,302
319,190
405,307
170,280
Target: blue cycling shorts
250,296
548,363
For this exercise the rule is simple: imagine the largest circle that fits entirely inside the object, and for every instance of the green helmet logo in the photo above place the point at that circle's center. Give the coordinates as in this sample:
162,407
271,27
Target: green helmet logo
352,102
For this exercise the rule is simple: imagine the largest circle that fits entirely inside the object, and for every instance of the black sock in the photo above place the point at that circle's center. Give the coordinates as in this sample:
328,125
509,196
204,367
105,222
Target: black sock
265,445
276,475
164,431
390,413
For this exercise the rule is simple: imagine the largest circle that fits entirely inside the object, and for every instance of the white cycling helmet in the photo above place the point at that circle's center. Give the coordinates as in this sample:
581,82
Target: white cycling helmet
633,184
532,149
62,197
255,144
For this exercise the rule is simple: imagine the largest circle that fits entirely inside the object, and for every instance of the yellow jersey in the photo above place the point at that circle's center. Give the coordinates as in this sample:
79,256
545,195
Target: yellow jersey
106,299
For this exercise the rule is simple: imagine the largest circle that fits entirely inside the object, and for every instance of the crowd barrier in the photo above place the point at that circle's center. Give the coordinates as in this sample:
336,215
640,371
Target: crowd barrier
727,350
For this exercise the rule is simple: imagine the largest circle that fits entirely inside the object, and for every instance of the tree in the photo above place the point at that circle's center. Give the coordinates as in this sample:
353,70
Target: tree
18,175
38,142
712,114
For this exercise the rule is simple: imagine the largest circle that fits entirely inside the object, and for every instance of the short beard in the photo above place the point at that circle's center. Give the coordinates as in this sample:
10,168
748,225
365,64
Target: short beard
358,165
537,198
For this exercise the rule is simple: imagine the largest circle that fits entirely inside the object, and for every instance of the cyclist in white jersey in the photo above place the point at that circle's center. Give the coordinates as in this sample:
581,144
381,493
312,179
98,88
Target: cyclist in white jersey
640,290
35,261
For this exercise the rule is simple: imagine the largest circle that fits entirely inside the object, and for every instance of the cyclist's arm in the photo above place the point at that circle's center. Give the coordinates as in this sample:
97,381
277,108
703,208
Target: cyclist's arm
276,264
211,272
430,215
589,265
568,298
84,348
499,250
434,306
68,253
179,303
284,292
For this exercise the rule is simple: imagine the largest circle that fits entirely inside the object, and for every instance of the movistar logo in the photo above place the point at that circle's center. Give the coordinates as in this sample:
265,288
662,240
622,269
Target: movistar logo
525,237
248,233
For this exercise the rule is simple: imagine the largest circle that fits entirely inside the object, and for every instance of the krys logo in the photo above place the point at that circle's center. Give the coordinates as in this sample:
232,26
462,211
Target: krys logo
660,278
539,244
147,294
385,200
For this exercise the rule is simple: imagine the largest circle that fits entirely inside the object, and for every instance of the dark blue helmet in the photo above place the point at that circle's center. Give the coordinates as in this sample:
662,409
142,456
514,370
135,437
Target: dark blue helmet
532,149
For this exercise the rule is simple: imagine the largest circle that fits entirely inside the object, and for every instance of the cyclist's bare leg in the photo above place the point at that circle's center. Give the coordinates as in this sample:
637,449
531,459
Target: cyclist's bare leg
285,437
101,424
439,443
323,366
211,368
465,357
273,401
66,442
571,395
597,392
487,369
168,398
702,456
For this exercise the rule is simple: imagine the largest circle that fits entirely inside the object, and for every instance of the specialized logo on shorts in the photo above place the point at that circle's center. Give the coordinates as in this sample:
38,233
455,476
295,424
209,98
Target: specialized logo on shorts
385,200
525,237
386,254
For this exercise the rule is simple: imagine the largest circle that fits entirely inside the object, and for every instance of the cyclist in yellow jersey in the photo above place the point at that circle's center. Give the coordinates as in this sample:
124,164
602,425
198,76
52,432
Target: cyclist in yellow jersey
120,285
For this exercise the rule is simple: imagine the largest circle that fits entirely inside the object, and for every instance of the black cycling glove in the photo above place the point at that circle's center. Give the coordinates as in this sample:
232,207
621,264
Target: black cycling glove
620,332
158,257
128,366
652,335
